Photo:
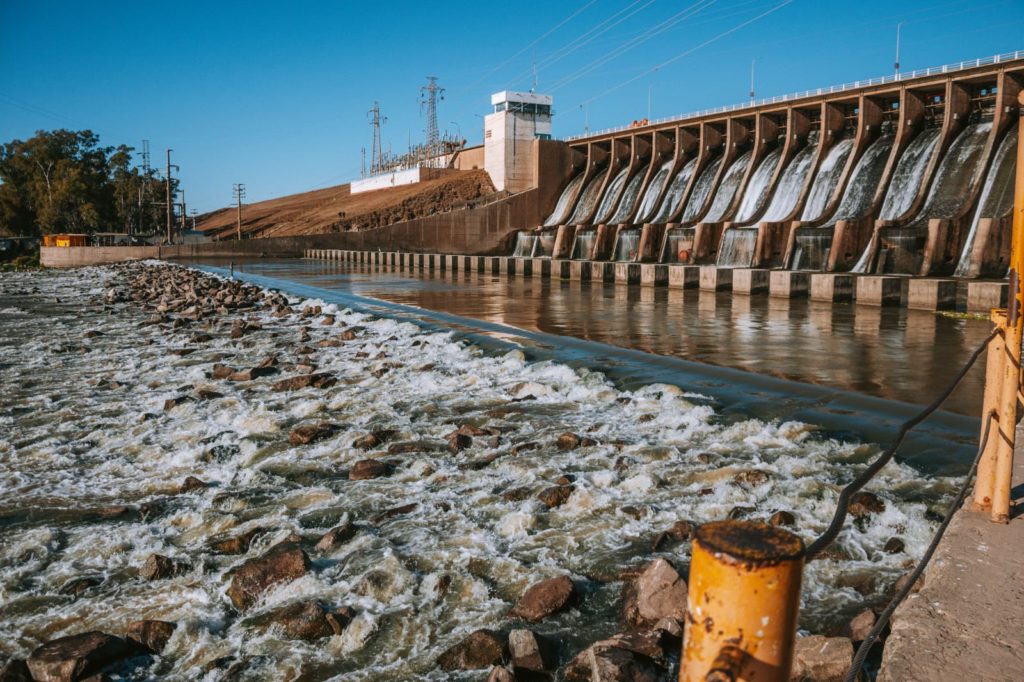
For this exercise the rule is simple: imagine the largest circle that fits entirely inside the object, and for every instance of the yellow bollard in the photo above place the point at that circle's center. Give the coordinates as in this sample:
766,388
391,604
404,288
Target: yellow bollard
742,605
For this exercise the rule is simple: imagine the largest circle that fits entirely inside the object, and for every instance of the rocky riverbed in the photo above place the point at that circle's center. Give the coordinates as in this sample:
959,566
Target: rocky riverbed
205,479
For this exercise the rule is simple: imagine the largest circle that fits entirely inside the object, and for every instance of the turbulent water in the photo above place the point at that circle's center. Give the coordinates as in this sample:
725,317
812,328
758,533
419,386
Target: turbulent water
829,173
525,243
996,197
727,189
85,427
629,198
792,182
647,206
611,197
564,202
757,188
674,193
701,189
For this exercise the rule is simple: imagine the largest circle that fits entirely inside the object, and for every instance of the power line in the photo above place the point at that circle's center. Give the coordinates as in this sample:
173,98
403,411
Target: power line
690,51
654,31
238,191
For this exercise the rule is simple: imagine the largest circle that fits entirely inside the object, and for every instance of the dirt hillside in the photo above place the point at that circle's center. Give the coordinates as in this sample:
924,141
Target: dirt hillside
336,209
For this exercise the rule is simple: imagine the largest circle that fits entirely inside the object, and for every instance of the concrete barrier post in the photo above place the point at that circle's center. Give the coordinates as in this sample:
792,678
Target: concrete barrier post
742,603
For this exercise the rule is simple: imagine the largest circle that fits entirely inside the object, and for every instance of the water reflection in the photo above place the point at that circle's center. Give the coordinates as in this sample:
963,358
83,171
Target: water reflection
891,353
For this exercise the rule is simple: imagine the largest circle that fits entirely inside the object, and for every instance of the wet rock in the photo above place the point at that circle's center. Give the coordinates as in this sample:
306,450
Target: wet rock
556,495
860,625
328,320
530,652
308,620
565,479
516,494
238,544
481,649
171,403
160,567
152,635
609,662
544,598
658,592
410,447
520,448
751,477
336,536
821,659
77,657
368,468
316,380
457,442
283,563
740,512
252,373
15,670
311,433
192,483
373,439
350,334
80,586
393,512
863,504
894,546
207,394
782,518
221,453
567,441
222,371
679,532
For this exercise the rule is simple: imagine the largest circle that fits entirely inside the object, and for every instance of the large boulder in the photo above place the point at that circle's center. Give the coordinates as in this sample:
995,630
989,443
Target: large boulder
15,670
544,598
821,659
657,592
77,657
283,563
531,653
481,649
613,660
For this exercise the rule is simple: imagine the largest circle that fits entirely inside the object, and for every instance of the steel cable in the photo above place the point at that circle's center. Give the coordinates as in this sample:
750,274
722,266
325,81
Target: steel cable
842,504
883,618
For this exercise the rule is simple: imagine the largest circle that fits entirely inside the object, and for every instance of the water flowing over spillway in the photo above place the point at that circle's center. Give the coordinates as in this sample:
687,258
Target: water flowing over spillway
564,203
545,243
757,189
525,243
701,190
674,193
902,248
727,189
585,206
629,198
583,245
787,192
611,197
737,249
105,411
830,172
627,245
909,174
647,206
863,183
996,199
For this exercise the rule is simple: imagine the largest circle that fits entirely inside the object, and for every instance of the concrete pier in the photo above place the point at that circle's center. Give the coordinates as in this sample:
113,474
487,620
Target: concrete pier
713,278
788,284
747,281
653,274
879,290
832,288
931,294
683,276
627,273
982,297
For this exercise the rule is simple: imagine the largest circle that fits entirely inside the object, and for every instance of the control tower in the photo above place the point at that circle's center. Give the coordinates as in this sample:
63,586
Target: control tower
517,119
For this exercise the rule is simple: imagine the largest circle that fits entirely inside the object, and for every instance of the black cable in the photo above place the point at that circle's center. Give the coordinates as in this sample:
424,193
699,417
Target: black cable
830,534
883,618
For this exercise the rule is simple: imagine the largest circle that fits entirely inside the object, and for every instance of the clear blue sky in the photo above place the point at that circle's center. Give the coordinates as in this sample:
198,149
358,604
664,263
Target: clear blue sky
276,95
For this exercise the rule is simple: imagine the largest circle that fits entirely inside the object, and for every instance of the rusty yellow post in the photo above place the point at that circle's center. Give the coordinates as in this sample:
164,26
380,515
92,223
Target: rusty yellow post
742,605
995,358
1003,472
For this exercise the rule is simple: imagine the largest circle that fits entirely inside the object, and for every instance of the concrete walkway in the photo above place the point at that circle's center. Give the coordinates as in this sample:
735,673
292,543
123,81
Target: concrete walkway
967,622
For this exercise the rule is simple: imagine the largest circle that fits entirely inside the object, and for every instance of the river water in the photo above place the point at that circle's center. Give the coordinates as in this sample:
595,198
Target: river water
677,440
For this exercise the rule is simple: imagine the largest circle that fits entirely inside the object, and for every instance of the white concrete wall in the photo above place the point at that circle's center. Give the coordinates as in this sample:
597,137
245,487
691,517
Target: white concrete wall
393,179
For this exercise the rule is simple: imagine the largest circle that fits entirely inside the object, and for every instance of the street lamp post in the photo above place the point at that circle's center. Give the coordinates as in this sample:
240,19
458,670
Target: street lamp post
897,64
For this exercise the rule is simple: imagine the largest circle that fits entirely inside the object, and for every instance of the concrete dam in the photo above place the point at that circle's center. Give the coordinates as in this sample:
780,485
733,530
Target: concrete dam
911,176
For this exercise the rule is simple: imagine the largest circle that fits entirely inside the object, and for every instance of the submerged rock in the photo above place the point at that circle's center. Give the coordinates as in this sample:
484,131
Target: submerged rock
238,544
311,433
544,598
159,567
481,649
368,468
335,537
316,380
192,483
864,504
284,562
309,620
556,495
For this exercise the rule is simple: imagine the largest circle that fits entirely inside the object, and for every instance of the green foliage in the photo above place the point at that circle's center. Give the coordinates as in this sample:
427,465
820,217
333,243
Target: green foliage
64,181
21,263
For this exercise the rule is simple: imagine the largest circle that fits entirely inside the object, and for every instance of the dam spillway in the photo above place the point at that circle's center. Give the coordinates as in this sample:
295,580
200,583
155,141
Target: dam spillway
890,179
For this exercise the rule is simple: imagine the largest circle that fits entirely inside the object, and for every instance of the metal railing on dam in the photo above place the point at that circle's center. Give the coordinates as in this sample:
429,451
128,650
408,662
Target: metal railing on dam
830,90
